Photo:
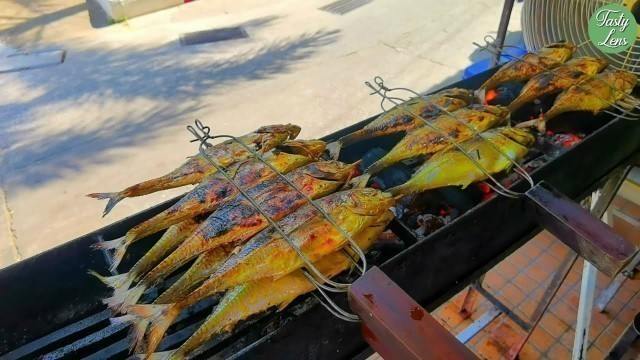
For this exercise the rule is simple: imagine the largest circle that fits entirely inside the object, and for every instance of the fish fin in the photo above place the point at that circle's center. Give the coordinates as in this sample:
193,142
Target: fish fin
526,124
136,332
115,281
360,181
542,126
481,95
160,316
123,298
114,198
119,246
334,149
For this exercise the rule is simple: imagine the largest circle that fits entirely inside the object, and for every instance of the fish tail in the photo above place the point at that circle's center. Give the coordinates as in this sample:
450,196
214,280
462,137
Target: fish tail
359,182
334,149
516,104
115,281
136,332
114,198
160,316
378,166
401,190
123,298
119,246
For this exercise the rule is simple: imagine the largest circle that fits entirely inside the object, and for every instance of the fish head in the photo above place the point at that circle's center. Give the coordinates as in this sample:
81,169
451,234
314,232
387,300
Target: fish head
367,201
309,148
330,170
620,79
461,94
289,130
587,65
268,137
520,136
559,51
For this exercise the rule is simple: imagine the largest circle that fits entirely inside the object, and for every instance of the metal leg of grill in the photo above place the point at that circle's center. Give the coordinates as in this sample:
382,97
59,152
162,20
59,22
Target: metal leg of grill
502,30
611,291
598,207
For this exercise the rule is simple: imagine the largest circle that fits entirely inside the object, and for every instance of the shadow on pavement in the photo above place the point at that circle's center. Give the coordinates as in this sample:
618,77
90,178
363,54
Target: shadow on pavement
170,83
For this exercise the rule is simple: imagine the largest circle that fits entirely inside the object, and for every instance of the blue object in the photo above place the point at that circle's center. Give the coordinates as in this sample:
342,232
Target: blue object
483,65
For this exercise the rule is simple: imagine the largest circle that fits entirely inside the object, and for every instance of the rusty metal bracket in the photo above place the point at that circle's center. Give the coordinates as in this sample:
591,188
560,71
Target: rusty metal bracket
579,229
396,326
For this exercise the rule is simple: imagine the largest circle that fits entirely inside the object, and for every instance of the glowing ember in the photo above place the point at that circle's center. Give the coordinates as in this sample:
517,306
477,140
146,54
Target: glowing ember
490,95
566,140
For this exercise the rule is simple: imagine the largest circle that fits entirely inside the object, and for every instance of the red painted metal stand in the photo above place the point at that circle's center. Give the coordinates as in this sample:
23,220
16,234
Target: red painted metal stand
396,326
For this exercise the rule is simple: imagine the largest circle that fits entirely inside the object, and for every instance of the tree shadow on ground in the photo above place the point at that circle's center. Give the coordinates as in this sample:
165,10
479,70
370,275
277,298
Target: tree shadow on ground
170,82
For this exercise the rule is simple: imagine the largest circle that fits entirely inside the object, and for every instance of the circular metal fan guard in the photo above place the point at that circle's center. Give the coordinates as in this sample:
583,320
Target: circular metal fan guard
547,21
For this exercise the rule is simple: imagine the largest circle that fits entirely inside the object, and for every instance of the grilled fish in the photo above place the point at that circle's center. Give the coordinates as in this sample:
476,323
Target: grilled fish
558,79
595,94
397,119
267,255
426,140
238,220
170,240
197,167
214,190
254,297
532,64
452,167
206,264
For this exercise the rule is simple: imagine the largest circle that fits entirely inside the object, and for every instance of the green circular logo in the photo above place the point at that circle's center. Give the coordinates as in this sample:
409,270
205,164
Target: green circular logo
612,28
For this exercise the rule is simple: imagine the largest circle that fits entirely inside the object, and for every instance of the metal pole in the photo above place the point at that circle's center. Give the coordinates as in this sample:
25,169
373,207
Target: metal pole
502,30
587,293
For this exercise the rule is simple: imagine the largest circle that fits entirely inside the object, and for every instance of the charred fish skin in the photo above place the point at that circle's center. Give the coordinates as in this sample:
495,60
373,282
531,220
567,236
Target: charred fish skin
593,95
559,79
531,65
206,264
207,195
197,167
238,220
425,140
402,118
452,167
213,191
254,297
357,209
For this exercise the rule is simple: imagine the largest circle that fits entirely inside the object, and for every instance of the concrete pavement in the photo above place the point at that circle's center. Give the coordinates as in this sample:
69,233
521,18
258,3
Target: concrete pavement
115,112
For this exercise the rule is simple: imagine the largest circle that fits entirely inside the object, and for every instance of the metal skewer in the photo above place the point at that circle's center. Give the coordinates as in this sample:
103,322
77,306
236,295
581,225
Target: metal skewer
382,90
201,132
634,102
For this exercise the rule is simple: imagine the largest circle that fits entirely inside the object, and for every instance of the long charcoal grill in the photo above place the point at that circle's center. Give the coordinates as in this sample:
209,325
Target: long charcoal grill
52,308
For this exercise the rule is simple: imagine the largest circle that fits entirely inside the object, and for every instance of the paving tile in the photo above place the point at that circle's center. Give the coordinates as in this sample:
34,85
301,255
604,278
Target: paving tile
620,202
564,312
520,259
507,269
450,315
553,325
605,341
525,283
559,352
549,262
633,236
529,352
494,281
616,328
595,353
567,339
572,298
531,249
621,226
512,294
538,273
541,339
545,239
559,250
633,210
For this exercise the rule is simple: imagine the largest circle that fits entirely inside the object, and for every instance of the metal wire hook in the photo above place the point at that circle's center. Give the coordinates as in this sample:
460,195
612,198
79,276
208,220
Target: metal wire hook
201,133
